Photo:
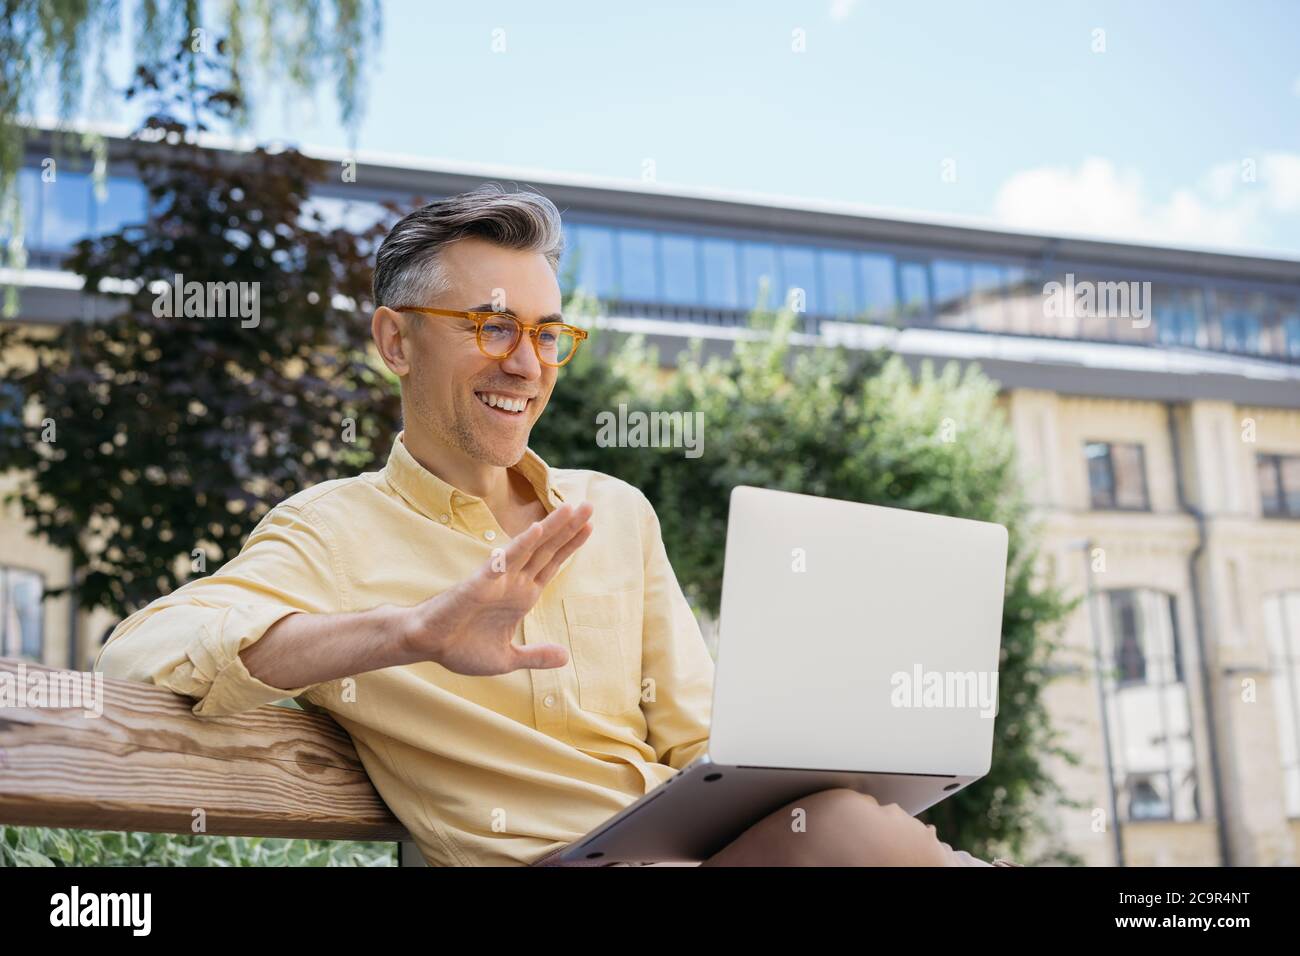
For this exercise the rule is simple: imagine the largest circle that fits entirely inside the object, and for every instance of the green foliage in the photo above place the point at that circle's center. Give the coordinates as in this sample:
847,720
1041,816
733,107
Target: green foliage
42,846
855,426
48,44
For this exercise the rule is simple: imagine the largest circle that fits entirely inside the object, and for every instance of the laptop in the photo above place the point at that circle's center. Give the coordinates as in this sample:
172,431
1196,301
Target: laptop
858,647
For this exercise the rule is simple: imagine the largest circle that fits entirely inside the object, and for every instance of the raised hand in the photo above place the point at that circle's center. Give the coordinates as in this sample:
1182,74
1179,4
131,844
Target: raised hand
469,629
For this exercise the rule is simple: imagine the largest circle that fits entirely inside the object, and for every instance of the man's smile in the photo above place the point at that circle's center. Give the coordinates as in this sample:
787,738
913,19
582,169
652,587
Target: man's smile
504,404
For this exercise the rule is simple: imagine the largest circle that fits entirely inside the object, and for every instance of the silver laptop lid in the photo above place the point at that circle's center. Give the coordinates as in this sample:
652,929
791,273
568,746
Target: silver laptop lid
855,637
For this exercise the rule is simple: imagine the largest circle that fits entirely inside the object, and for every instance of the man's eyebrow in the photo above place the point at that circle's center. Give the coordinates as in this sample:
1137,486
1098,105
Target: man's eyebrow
488,307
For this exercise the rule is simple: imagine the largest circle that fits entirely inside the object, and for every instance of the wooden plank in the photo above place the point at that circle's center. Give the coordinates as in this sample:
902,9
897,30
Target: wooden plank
147,763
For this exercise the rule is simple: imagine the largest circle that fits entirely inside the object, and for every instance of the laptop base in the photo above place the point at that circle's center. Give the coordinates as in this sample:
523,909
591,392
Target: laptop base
694,814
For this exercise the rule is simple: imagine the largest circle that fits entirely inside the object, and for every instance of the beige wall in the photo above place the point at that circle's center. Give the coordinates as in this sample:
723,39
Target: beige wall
1245,558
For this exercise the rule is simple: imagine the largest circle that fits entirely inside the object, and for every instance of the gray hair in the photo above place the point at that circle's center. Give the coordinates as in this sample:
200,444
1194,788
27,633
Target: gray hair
407,271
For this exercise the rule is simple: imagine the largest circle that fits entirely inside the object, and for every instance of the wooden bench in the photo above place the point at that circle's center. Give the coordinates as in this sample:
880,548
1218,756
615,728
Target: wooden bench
147,764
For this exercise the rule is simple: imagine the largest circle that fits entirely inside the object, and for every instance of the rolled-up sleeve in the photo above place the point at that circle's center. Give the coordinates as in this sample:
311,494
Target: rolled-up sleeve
674,656
190,640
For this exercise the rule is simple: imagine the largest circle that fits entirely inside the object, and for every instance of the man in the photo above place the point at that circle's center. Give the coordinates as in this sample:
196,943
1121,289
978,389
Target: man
483,626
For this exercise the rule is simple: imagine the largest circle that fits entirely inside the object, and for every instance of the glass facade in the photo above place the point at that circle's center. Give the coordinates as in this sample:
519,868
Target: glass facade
335,212
802,282
761,281
56,215
1179,316
636,251
1241,319
878,291
721,286
1148,709
22,615
720,274
679,255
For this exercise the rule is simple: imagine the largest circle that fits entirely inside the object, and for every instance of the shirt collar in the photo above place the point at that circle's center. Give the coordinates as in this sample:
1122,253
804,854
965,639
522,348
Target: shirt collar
429,494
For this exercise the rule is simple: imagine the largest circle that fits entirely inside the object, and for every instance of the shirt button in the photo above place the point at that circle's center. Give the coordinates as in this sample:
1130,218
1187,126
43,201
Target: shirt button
549,700
490,535
444,518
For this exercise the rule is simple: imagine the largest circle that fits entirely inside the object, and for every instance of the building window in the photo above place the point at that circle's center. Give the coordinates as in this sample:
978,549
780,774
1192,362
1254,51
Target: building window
1240,317
28,186
680,269
66,211
593,255
914,289
126,207
1279,485
1145,800
1117,476
799,267
759,275
1179,316
1289,328
636,259
1147,707
1282,631
721,279
1130,663
125,202
879,295
841,299
952,284
22,617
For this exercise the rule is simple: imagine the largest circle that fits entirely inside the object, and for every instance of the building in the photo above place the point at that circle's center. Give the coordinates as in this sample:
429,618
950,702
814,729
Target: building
1154,394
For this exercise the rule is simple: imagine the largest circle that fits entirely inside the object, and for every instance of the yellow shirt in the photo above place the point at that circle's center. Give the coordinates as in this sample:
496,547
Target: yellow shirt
481,770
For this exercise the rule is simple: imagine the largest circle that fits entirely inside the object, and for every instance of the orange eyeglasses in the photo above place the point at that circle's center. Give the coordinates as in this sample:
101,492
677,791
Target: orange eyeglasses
499,334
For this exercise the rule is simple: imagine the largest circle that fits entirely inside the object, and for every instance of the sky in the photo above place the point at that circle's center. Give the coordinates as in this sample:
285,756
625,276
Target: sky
1168,121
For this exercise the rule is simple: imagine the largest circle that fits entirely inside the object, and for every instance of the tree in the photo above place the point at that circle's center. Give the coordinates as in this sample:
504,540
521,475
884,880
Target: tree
856,426
154,441
42,41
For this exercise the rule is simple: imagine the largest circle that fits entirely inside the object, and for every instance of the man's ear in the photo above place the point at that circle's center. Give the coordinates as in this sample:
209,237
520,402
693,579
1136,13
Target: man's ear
389,330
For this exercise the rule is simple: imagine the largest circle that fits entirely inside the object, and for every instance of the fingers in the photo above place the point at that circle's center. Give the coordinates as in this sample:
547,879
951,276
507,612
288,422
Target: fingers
522,548
562,555
517,552
540,655
557,538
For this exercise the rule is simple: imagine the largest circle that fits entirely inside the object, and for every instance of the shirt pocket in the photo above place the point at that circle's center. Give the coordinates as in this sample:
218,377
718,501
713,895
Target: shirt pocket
605,643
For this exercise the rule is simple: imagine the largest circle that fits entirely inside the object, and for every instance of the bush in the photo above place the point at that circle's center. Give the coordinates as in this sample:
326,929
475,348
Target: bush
42,846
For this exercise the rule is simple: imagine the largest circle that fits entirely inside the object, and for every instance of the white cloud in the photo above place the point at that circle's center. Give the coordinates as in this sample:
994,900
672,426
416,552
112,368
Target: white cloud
1281,173
840,10
1235,203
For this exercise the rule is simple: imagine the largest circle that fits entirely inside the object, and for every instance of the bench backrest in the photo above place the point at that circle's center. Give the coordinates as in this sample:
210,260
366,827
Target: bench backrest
148,764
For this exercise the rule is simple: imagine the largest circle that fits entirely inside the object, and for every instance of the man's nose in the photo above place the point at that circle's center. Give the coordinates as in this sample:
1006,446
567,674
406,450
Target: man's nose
523,360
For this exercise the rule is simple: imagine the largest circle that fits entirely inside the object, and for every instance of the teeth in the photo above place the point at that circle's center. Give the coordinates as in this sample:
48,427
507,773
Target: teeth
503,402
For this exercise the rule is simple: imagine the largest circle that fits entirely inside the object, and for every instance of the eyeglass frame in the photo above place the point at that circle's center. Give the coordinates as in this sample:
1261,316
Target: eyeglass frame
480,319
